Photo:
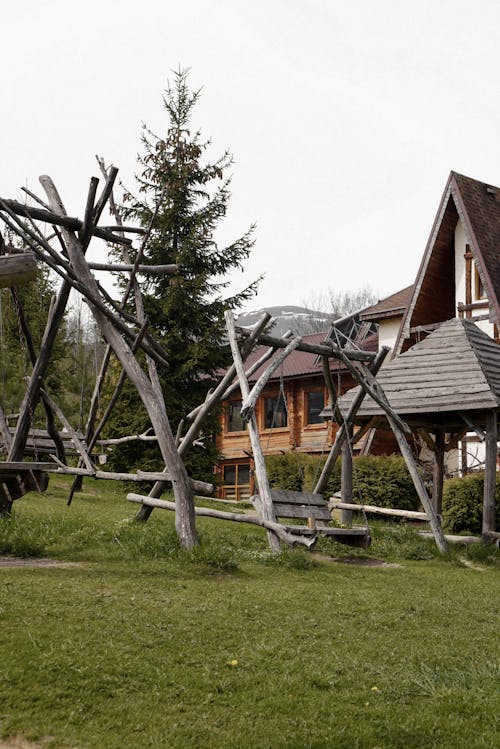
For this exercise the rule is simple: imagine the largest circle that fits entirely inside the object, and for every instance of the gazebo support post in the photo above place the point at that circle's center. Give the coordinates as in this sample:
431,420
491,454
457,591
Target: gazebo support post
438,473
490,474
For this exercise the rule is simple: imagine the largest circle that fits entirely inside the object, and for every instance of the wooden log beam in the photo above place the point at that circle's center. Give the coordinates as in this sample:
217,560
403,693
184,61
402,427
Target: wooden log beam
149,270
418,484
251,399
346,476
49,414
200,487
155,406
490,474
266,502
80,447
275,528
408,514
74,224
320,349
342,432
438,473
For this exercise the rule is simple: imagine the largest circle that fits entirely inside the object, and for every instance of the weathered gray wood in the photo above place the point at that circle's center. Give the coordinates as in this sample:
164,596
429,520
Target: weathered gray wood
88,225
250,401
184,521
236,517
149,270
297,498
49,415
253,430
346,477
32,394
79,445
17,269
40,214
202,488
301,512
358,537
409,514
438,473
220,391
329,349
419,485
342,432
490,473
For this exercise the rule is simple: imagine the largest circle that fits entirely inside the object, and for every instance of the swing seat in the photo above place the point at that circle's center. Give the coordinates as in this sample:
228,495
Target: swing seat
302,506
17,269
18,478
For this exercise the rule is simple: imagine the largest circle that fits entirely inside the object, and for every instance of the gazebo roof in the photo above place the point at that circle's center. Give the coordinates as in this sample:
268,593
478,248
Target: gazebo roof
456,368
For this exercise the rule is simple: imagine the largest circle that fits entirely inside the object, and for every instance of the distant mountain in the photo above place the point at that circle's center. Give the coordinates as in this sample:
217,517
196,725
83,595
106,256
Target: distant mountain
299,320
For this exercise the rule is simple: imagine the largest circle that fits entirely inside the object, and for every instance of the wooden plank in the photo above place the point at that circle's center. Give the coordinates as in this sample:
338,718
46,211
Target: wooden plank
299,498
17,269
18,466
301,512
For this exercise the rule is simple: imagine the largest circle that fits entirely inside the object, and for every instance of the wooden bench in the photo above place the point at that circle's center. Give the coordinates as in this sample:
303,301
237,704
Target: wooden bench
19,478
313,508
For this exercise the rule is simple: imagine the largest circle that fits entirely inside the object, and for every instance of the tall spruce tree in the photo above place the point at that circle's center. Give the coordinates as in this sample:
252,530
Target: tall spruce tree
184,196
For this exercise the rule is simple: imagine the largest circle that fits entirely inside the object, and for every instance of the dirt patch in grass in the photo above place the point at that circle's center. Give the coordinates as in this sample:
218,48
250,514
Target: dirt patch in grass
17,742
30,562
358,561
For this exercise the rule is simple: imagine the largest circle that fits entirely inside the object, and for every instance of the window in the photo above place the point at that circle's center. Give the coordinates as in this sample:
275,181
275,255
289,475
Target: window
480,293
275,414
236,481
315,404
234,421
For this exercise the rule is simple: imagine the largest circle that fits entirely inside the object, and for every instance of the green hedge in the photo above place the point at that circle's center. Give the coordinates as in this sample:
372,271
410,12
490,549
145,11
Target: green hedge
382,481
463,504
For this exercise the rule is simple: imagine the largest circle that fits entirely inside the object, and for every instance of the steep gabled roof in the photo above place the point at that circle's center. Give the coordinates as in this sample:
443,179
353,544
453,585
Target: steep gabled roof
456,368
392,306
477,204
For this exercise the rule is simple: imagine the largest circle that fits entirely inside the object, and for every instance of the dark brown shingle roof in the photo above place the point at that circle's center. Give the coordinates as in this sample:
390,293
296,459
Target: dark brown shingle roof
391,306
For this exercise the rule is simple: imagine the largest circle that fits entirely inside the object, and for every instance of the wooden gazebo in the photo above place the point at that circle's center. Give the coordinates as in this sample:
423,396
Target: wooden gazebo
443,387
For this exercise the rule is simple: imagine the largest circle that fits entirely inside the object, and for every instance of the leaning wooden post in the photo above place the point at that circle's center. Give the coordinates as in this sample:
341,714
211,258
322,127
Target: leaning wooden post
438,473
490,474
266,504
155,405
342,432
418,484
346,476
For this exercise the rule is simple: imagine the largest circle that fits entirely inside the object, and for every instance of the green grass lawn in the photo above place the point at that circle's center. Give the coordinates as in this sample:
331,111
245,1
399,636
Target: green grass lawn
141,644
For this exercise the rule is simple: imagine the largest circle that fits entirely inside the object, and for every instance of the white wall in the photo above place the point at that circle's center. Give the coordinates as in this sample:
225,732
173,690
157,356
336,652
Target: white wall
460,248
388,332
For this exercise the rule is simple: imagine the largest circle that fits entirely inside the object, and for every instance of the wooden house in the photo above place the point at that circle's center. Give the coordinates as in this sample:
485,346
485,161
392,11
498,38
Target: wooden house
459,277
288,415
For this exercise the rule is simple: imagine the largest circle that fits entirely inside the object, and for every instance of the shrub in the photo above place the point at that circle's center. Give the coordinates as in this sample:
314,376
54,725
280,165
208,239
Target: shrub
287,471
463,504
384,481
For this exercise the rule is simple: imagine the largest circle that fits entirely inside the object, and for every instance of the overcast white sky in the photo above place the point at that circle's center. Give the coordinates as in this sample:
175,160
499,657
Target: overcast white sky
344,118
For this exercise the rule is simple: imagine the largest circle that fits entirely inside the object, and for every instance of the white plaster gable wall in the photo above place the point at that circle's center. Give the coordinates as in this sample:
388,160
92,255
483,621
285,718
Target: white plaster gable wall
388,332
461,242
460,245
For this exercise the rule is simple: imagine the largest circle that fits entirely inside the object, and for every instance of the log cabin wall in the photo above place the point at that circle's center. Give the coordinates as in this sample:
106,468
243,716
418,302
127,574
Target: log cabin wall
303,432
